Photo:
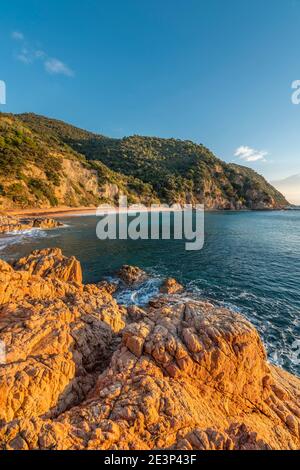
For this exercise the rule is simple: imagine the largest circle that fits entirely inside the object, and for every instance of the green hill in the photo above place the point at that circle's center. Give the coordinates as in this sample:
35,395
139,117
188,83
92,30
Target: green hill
45,162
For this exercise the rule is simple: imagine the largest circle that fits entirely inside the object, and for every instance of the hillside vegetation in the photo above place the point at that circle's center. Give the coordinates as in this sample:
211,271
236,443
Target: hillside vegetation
45,162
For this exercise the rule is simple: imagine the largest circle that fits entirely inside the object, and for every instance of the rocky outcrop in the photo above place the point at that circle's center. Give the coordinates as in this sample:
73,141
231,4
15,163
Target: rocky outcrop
12,224
57,334
51,263
83,373
131,275
171,286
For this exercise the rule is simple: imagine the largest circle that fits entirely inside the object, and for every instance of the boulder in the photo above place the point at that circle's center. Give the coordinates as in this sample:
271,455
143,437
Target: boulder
171,286
46,223
132,275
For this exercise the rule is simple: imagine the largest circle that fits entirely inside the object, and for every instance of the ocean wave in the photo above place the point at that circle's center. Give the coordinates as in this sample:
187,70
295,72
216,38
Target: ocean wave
139,295
17,237
277,341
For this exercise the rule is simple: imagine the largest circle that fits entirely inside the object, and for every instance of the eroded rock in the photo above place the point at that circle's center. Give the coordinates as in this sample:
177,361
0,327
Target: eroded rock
132,275
171,286
57,334
50,263
83,373
13,224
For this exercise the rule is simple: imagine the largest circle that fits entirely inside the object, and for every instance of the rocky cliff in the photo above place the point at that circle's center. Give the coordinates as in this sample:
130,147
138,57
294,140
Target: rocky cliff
46,163
82,372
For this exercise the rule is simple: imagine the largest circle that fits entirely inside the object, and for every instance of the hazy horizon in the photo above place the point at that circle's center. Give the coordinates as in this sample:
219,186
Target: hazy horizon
289,187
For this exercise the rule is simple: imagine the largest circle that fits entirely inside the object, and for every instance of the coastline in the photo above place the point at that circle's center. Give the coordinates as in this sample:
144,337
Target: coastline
55,211
80,211
86,211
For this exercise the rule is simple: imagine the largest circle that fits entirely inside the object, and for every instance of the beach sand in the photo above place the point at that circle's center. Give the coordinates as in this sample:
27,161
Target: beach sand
80,211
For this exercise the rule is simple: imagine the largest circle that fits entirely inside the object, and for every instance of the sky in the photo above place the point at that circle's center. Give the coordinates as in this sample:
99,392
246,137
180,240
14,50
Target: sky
215,72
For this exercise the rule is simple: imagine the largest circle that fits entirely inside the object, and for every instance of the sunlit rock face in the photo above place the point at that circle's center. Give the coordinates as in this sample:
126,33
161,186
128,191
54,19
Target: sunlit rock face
82,372
13,224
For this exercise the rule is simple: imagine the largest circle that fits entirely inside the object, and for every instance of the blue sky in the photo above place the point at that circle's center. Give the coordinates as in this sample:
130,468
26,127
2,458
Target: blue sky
211,71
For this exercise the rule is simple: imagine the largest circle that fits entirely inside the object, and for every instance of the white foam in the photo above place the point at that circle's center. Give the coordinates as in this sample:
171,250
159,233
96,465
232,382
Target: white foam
18,237
139,295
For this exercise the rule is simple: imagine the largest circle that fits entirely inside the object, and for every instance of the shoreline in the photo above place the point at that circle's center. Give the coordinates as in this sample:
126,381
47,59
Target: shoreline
55,211
86,211
81,211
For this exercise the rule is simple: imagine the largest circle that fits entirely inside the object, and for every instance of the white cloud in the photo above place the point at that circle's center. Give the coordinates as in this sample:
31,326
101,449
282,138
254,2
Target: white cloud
25,56
39,54
17,35
28,55
55,66
249,154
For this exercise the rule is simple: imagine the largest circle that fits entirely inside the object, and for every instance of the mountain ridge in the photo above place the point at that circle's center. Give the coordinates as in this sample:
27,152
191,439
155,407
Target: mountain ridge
47,163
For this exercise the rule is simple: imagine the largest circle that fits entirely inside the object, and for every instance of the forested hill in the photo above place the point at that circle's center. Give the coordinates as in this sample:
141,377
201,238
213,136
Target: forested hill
45,162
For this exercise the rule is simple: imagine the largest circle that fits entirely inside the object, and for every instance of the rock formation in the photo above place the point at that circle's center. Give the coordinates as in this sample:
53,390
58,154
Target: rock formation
82,372
171,286
13,224
131,275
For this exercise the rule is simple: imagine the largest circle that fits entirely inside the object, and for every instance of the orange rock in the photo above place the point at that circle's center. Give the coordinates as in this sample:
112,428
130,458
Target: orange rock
171,286
14,224
51,263
82,373
131,275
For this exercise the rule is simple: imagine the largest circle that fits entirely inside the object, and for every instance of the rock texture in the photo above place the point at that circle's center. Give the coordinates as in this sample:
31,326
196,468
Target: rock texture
12,224
131,275
83,373
171,286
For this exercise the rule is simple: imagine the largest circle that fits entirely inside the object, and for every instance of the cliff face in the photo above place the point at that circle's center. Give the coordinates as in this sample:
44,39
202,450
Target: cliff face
44,163
81,372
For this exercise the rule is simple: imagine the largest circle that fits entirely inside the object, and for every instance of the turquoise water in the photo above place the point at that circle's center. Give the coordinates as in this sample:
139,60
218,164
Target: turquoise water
250,262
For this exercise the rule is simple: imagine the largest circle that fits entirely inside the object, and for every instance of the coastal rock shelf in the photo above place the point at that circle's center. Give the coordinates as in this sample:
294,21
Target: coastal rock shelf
10,224
82,372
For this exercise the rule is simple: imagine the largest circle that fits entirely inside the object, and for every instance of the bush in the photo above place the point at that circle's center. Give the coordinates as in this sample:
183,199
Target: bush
17,192
42,190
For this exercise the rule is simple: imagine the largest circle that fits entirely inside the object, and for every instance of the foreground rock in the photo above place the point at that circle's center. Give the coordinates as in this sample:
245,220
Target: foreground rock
12,224
83,373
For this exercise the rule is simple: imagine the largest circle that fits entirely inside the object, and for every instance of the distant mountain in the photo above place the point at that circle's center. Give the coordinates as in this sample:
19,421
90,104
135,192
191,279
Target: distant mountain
290,187
45,162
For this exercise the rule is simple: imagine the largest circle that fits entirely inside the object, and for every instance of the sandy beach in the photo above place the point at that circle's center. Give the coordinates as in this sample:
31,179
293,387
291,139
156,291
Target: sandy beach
81,211
53,212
